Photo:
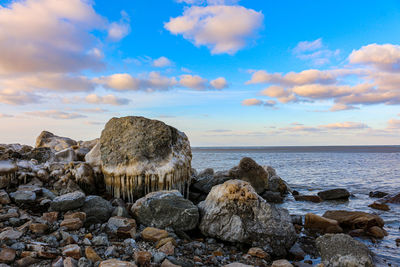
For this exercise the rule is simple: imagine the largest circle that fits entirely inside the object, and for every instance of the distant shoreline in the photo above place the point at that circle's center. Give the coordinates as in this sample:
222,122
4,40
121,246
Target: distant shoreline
302,149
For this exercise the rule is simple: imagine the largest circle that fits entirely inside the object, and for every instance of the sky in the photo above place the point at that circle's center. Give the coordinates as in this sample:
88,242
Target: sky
225,72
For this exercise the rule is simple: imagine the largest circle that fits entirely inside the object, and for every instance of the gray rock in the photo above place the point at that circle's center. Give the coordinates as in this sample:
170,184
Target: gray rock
120,211
145,153
158,257
338,193
166,209
341,250
273,197
66,155
4,198
234,212
83,262
56,143
97,209
68,201
100,240
277,184
248,170
21,197
207,180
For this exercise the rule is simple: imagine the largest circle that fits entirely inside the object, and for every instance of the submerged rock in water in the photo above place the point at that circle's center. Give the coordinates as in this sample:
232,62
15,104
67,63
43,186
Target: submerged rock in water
325,225
341,250
56,143
333,194
166,209
234,212
248,170
140,155
354,219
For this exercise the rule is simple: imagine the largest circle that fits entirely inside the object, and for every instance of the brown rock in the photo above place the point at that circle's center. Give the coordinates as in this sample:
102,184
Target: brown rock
142,258
89,236
72,224
4,198
315,199
58,262
10,235
164,241
47,254
50,217
379,206
237,264
38,228
281,263
25,262
217,253
356,232
68,241
259,253
167,263
313,221
116,263
354,219
32,254
73,251
377,232
76,215
70,262
168,248
92,255
7,255
395,199
153,234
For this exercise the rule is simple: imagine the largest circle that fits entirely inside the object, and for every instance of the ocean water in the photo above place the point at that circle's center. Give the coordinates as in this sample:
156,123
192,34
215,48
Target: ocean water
359,169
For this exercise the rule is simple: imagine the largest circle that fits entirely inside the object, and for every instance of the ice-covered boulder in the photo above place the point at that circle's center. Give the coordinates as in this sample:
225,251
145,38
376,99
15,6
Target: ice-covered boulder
8,171
140,155
234,212
57,143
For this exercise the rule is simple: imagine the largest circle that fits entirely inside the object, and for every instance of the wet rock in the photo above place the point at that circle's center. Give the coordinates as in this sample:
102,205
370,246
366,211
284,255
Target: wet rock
7,255
56,143
273,197
342,250
277,184
142,258
166,209
377,194
4,198
97,209
248,170
116,263
379,206
153,234
313,221
395,199
296,252
234,212
92,255
315,199
354,219
68,201
146,154
334,194
281,263
377,232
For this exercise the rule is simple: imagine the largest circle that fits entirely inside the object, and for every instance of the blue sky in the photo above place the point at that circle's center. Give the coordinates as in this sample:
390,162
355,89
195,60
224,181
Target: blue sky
224,72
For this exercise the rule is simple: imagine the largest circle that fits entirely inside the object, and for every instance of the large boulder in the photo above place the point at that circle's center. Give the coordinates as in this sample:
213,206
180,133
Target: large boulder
56,143
97,209
139,156
248,170
166,209
341,250
234,212
334,194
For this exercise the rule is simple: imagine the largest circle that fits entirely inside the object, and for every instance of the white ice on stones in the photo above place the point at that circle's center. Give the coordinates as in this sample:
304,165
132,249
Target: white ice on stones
8,172
153,156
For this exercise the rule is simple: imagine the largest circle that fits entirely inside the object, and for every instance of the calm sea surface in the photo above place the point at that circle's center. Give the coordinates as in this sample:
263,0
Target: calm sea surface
359,169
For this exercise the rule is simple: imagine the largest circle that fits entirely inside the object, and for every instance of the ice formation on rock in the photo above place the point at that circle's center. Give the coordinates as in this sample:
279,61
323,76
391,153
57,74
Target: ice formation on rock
140,155
8,172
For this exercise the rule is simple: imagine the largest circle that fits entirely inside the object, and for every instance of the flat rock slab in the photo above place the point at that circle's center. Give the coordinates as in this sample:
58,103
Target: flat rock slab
333,194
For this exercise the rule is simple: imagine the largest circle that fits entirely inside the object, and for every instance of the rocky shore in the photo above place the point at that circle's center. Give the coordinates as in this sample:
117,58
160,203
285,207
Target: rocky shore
131,198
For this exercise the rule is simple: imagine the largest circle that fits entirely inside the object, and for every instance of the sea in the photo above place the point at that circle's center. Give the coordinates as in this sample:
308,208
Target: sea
310,169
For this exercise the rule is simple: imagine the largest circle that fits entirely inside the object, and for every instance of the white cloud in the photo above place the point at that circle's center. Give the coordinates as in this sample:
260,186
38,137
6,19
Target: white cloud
193,82
222,28
315,51
307,46
55,114
118,30
162,62
348,125
92,110
393,124
107,99
258,102
219,83
3,116
293,78
386,57
14,97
